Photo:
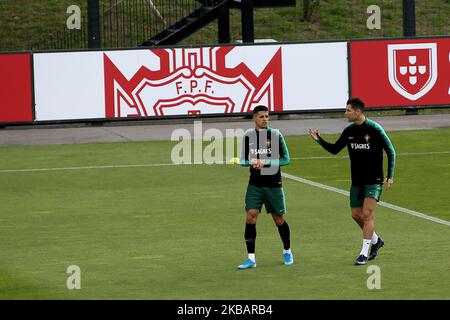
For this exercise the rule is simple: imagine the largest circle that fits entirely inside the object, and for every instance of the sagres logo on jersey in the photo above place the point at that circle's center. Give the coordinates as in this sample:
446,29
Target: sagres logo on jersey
363,146
412,68
190,81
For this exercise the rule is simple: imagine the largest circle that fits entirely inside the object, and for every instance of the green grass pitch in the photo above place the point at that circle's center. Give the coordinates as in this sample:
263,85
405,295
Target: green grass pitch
176,232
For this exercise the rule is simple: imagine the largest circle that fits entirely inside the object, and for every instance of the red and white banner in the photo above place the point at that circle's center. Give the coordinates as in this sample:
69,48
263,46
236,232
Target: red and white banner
190,81
15,88
412,72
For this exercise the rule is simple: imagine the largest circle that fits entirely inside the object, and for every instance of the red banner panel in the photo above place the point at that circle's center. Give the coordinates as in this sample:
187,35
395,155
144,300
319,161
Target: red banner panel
411,72
15,88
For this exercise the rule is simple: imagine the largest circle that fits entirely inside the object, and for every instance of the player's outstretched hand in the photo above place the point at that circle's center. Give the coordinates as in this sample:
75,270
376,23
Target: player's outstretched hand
314,133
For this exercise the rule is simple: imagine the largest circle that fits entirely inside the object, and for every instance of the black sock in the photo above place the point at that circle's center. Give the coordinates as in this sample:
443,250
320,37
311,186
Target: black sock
250,237
285,235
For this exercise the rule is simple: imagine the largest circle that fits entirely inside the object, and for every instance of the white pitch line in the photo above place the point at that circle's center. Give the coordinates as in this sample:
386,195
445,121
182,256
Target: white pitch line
381,203
398,154
109,167
413,213
195,163
422,153
89,167
105,167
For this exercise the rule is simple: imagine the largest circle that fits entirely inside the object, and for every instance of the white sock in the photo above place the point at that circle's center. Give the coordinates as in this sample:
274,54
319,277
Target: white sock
287,251
374,238
251,256
365,247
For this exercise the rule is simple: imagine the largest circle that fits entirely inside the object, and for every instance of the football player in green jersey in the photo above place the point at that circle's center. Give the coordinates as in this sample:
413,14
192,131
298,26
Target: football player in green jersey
365,140
264,150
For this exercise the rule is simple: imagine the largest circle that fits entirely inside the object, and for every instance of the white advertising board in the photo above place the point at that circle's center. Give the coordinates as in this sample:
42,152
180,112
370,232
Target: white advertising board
190,81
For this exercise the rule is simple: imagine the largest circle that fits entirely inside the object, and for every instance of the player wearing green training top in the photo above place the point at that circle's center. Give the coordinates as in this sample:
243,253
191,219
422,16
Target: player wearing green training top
365,140
264,150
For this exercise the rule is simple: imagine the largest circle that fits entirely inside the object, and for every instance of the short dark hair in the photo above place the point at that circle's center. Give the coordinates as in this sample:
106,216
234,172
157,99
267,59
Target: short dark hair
260,108
356,103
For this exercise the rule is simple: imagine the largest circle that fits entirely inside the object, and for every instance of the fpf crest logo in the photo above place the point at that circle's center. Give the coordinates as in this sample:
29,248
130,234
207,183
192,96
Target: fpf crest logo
412,68
191,81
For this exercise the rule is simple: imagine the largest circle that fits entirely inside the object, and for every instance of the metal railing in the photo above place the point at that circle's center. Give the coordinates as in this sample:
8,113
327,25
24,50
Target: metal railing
129,23
126,23
65,39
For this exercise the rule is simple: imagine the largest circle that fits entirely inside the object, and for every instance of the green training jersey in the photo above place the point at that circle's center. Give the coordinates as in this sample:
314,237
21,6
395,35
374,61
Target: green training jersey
268,145
365,144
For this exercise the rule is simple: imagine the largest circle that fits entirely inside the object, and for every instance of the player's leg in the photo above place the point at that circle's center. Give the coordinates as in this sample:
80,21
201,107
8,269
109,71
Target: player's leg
285,235
363,255
253,204
275,203
376,242
372,196
357,196
250,239
368,217
357,205
357,216
250,232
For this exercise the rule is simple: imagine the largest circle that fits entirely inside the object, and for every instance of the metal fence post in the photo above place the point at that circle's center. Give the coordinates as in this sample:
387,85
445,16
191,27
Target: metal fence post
248,32
224,25
94,40
409,18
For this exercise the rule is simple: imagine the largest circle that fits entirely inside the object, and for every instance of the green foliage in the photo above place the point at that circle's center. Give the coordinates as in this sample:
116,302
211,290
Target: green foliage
335,20
26,22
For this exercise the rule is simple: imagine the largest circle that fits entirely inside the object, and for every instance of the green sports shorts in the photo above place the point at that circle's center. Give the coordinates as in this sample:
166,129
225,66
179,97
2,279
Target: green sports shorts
272,198
358,193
